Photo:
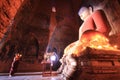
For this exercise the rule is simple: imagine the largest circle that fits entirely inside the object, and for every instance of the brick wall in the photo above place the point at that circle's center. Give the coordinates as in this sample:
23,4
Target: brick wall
8,10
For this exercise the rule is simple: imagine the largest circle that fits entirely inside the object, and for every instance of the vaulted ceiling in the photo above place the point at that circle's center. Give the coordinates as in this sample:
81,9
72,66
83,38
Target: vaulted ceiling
28,16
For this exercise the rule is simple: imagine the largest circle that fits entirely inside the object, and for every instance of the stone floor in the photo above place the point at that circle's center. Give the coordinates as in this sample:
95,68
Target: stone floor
29,77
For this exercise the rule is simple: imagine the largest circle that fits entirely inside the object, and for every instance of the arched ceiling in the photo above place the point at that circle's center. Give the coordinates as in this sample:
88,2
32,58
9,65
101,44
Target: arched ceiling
9,9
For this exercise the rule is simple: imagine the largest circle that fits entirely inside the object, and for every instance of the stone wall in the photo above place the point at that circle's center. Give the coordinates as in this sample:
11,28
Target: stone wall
30,33
8,10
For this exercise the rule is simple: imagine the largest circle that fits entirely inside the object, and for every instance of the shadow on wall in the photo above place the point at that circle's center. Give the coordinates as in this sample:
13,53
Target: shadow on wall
28,46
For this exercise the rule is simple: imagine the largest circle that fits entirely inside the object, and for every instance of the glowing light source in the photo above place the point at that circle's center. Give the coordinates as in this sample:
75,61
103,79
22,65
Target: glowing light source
53,58
92,39
53,9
